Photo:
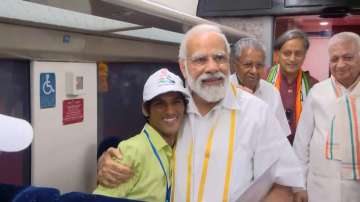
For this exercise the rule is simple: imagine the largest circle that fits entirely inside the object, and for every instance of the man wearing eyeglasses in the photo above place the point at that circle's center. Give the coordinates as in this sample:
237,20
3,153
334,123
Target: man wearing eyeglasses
247,60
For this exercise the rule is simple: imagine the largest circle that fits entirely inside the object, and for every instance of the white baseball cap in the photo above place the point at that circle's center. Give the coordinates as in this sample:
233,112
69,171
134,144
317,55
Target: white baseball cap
163,81
15,134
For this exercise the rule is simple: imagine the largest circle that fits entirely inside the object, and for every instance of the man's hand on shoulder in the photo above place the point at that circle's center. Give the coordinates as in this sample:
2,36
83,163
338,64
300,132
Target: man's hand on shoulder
111,173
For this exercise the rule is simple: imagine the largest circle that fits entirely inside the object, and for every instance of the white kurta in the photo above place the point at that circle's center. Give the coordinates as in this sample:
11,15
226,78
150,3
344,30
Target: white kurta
270,95
259,141
324,182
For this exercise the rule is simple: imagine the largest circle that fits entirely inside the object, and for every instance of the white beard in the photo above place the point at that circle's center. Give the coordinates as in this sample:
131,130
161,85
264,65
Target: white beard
208,93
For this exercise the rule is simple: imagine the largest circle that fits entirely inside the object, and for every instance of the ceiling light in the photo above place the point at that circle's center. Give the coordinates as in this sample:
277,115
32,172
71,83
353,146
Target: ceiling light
324,23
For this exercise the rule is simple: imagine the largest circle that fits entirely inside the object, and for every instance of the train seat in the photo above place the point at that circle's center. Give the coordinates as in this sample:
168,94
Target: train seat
84,197
37,194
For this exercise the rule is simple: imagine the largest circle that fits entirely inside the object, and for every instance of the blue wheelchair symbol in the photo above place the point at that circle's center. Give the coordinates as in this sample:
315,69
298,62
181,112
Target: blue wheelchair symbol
47,90
47,87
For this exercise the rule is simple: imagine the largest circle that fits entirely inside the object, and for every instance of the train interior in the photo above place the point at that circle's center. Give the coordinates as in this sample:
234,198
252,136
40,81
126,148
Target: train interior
75,70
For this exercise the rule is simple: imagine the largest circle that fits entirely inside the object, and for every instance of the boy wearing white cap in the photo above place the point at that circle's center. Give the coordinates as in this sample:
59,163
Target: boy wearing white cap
16,134
149,153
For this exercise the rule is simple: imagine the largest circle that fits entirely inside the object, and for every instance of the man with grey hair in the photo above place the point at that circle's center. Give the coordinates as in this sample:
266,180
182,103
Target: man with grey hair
327,138
247,60
288,75
229,137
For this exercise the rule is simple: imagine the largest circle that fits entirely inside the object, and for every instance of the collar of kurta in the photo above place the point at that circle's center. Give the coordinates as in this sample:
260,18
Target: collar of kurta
260,87
235,81
230,102
239,83
340,89
156,138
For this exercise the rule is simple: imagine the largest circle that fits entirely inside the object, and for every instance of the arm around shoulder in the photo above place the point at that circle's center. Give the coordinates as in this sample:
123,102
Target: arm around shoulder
113,170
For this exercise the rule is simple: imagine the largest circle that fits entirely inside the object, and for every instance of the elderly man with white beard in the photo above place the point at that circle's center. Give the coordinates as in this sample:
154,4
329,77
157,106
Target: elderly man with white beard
229,137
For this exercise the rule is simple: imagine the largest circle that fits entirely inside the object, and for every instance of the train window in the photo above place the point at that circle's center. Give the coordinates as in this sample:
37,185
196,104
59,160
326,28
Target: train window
319,31
294,3
233,5
15,101
120,87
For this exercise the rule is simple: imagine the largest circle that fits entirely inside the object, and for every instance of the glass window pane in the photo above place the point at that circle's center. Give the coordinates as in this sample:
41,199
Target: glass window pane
15,101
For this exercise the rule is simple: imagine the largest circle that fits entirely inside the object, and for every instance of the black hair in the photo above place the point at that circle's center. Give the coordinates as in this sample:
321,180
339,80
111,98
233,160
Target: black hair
292,34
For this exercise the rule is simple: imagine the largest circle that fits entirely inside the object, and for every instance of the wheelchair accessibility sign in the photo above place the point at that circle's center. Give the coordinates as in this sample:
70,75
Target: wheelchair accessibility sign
47,90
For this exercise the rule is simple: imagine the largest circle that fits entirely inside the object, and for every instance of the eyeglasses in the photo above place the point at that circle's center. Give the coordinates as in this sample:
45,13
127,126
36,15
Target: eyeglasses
202,59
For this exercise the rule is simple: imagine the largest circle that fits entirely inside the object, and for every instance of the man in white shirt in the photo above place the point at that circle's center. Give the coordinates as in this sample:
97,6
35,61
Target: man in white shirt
324,174
248,58
229,137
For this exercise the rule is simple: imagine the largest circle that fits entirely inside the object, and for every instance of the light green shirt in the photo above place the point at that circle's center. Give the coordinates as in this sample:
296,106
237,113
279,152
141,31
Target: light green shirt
148,182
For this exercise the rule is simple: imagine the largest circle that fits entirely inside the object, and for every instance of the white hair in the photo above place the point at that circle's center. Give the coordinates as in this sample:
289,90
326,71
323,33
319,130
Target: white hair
345,36
243,44
208,93
202,28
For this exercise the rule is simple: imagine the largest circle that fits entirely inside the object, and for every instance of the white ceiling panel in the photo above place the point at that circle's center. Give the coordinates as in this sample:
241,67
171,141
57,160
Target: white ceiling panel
32,12
154,34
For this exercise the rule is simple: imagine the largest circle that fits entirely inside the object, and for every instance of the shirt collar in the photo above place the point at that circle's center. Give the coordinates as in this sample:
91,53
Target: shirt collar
283,76
260,89
343,88
352,86
228,102
234,79
155,137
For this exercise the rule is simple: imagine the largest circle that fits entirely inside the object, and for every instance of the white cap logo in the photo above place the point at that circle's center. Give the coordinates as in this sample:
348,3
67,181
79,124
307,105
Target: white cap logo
162,81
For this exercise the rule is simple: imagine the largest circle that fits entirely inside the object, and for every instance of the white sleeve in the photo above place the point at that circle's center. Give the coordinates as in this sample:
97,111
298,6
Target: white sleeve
273,145
304,132
280,114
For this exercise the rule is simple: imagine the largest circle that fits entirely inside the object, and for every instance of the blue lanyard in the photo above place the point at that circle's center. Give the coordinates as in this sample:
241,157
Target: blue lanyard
168,188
